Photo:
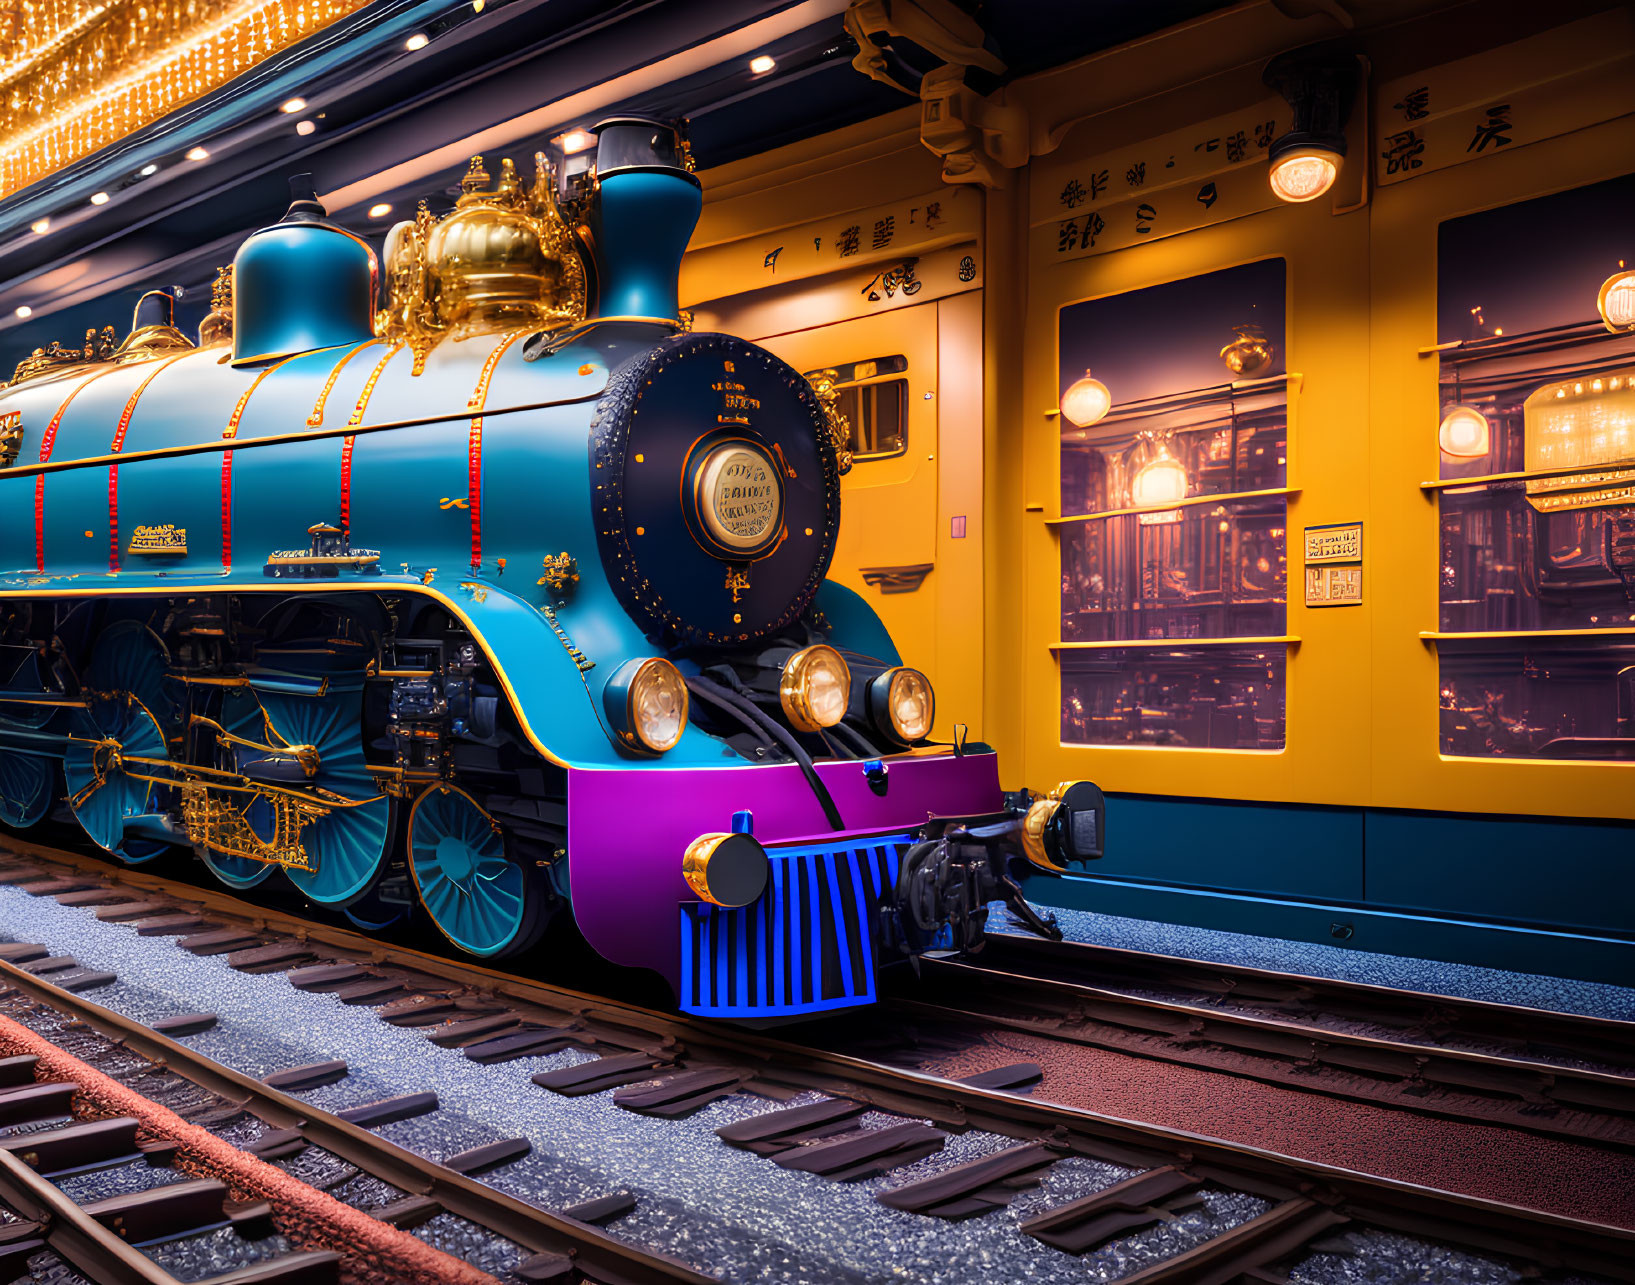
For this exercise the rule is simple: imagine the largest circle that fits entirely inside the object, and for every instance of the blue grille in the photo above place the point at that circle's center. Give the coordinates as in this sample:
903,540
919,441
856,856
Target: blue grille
807,945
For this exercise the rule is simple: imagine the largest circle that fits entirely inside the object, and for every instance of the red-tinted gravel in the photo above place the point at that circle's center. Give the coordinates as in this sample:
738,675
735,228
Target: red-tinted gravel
1474,1159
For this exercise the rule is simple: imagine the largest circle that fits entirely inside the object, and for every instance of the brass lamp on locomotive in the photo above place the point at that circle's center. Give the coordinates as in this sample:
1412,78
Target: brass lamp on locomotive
491,602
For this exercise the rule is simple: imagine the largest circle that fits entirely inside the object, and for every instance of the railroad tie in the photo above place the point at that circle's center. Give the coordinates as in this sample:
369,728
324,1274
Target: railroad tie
773,1131
681,1094
95,896
184,1024
978,1186
1139,1201
469,1031
864,1153
180,924
279,956
528,1041
603,1073
221,941
491,1155
406,1106
314,1075
54,886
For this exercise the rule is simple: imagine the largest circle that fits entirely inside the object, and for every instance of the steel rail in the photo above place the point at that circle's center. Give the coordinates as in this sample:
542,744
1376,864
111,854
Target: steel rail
595,1253
75,1236
1600,1039
1507,1091
1544,1239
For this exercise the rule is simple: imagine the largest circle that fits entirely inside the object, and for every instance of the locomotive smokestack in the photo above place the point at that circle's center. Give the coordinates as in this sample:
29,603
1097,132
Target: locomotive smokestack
647,204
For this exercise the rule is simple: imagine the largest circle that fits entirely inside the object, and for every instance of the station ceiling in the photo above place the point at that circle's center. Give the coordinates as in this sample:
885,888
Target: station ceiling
392,126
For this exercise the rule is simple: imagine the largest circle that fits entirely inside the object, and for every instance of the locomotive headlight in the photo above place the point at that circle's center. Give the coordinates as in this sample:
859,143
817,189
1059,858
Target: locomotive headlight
901,703
647,702
815,688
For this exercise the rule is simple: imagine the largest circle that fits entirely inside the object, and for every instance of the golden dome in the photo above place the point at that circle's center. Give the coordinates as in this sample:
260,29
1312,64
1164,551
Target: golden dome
502,259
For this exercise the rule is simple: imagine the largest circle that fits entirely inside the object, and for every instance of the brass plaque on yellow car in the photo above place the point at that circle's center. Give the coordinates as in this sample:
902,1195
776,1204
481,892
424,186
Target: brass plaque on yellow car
1339,586
1336,542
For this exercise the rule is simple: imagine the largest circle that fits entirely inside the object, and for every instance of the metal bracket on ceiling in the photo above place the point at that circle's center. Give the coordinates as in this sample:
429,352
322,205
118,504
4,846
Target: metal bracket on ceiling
978,135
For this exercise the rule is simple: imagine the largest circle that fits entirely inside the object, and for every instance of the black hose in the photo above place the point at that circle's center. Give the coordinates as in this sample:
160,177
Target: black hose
859,744
707,688
753,728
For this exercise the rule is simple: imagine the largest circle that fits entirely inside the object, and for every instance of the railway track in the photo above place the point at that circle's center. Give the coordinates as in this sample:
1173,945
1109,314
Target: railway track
859,1119
1545,1072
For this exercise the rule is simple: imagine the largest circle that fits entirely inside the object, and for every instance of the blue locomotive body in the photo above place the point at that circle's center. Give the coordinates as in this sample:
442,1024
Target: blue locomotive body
340,602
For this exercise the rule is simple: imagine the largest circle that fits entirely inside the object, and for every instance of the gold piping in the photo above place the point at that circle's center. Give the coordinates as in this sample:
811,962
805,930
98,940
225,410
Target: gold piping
316,419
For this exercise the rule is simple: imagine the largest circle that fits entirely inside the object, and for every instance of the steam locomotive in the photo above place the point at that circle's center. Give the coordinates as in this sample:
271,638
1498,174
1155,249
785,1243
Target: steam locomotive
503,602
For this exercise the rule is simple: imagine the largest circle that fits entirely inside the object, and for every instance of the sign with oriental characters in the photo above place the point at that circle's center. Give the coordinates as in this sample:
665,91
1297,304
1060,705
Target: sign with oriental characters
1547,85
1190,178
1338,542
1334,586
889,236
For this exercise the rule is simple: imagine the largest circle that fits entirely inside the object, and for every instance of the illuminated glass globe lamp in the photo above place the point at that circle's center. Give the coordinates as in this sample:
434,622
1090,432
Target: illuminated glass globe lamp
1616,302
1160,481
1086,401
1319,83
1464,434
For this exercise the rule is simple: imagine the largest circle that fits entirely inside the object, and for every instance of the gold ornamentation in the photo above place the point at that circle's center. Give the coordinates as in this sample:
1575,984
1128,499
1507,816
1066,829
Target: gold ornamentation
737,582
1248,354
561,570
584,662
43,361
840,429
502,260
11,437
218,823
80,77
166,539
217,326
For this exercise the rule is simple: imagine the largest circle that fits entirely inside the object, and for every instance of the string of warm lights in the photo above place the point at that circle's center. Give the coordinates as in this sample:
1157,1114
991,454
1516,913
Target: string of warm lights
118,66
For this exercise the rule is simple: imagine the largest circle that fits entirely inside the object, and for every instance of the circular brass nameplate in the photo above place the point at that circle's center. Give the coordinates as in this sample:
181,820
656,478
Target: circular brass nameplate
739,497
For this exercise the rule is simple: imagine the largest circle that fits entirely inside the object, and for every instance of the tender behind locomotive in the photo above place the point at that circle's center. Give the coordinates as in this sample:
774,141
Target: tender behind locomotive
489,601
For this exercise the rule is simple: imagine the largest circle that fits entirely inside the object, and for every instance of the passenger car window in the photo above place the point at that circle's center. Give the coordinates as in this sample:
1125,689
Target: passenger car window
874,400
1174,526
1535,634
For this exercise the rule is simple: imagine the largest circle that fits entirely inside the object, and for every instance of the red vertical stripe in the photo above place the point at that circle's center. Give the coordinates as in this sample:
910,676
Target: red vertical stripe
227,510
48,441
474,447
346,484
346,443
114,448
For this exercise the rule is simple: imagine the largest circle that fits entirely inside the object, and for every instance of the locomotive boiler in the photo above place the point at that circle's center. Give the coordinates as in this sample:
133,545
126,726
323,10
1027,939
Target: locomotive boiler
502,602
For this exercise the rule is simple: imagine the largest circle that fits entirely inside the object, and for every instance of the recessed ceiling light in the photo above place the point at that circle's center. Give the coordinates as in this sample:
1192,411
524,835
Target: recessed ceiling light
762,63
40,226
292,106
25,311
576,140
380,211
198,154
304,127
417,41
148,171
101,198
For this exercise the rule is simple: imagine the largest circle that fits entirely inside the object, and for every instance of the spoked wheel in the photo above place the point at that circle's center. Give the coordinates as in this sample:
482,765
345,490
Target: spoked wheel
126,712
346,848
480,899
25,788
